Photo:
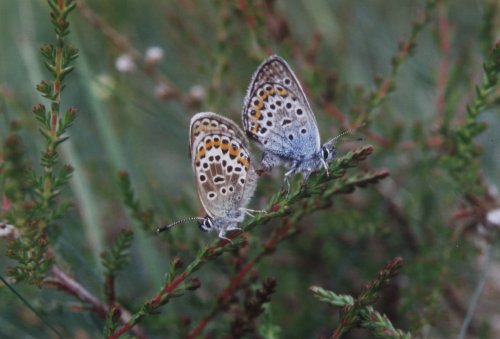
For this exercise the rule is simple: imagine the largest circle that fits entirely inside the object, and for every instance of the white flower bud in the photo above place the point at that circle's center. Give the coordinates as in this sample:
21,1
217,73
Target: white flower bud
493,217
125,63
197,93
154,55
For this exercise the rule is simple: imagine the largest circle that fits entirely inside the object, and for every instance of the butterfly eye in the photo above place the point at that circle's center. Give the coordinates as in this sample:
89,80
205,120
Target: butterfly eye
206,224
326,153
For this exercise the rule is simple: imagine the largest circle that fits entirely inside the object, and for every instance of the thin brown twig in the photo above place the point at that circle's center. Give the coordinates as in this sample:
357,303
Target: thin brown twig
169,90
65,283
350,314
315,185
287,230
444,64
109,289
283,232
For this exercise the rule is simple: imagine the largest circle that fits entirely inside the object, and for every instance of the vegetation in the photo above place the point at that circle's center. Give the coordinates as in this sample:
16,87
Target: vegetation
398,240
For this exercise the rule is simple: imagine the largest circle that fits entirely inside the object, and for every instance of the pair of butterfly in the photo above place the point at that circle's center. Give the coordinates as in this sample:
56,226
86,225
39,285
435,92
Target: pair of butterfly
277,115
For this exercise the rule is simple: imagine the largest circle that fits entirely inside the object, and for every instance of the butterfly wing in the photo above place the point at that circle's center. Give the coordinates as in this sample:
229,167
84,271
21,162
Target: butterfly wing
276,112
224,174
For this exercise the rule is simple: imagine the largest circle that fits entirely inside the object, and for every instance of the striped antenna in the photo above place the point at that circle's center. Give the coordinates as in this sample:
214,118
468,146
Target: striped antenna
161,229
345,132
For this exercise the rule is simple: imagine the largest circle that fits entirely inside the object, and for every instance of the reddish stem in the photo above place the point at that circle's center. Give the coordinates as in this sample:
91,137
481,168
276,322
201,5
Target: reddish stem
228,291
197,330
155,302
122,330
63,282
385,88
109,288
226,294
384,142
444,46
250,17
169,288
5,203
335,112
223,297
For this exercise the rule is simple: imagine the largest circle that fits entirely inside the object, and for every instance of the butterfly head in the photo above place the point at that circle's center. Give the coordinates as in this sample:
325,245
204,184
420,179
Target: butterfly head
328,151
206,224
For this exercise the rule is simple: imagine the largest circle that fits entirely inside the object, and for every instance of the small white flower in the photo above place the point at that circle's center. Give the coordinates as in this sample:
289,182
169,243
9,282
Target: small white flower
125,63
8,231
493,217
154,54
197,93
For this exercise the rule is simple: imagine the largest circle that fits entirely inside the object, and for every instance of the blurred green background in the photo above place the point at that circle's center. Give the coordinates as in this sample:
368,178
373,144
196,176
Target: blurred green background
211,49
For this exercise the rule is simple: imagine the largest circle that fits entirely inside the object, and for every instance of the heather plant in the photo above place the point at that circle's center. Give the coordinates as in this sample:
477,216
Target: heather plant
397,240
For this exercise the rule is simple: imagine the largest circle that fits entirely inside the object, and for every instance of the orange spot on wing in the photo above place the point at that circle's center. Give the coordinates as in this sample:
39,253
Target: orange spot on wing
255,129
205,128
201,153
259,105
243,162
234,152
257,114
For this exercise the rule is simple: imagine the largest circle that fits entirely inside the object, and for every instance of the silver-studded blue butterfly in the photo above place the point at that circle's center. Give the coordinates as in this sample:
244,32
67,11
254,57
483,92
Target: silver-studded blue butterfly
277,115
224,173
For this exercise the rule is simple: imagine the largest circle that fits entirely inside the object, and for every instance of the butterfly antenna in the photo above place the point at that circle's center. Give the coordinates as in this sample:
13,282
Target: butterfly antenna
164,228
346,132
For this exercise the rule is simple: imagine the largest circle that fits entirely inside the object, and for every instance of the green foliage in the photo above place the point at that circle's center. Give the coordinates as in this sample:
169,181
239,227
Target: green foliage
358,310
267,327
462,160
39,208
418,82
405,49
330,297
112,320
13,169
33,258
380,325
144,217
243,323
118,256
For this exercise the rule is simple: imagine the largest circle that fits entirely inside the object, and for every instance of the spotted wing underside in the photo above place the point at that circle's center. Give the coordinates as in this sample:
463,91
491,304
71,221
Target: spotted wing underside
276,112
222,164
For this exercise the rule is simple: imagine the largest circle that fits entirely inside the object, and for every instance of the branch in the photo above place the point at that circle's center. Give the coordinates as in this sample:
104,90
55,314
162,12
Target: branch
387,86
281,205
352,314
64,283
169,90
286,231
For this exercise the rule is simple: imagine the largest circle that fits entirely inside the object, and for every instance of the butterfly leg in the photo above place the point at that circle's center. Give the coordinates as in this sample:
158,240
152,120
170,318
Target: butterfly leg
286,180
235,228
222,234
250,212
305,175
325,165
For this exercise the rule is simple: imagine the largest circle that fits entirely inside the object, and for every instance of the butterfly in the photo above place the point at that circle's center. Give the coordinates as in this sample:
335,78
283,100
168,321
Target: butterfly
224,173
277,115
